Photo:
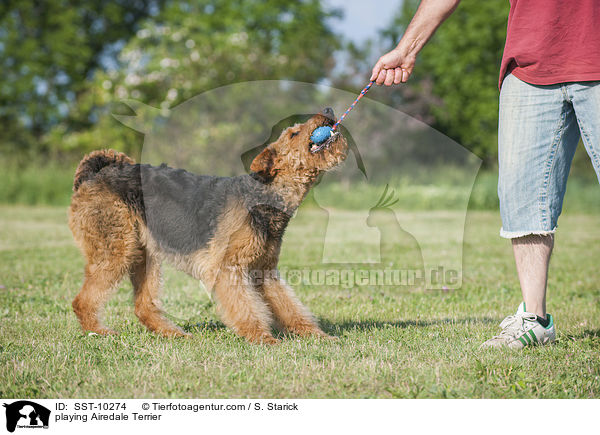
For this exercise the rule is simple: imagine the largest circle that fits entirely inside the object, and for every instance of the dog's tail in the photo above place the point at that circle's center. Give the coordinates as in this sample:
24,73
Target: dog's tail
95,161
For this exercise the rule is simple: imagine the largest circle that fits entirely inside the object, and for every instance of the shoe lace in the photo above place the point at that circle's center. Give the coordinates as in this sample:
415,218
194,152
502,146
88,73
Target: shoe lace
514,326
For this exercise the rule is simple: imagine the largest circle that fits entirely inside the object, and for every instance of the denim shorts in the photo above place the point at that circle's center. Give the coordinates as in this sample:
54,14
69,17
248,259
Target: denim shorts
538,131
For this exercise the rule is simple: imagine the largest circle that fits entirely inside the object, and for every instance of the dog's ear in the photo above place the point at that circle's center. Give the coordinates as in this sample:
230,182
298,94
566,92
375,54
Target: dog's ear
263,164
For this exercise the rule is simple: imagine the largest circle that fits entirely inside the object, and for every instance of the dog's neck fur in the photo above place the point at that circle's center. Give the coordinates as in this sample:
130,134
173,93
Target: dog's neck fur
282,200
293,188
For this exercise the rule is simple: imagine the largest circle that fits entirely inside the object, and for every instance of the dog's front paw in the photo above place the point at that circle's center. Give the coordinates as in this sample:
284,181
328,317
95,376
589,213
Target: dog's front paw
270,341
264,339
323,335
175,333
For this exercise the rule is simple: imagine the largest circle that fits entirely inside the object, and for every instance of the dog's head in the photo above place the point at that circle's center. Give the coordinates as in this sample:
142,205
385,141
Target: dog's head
295,157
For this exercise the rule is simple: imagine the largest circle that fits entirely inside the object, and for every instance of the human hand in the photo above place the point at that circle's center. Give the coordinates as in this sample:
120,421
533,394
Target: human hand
394,67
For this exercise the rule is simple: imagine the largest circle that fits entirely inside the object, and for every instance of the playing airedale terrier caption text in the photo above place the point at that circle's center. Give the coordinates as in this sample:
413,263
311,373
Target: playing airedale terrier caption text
225,231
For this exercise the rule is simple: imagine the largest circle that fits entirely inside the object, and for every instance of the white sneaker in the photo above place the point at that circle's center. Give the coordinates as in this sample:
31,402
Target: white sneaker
522,329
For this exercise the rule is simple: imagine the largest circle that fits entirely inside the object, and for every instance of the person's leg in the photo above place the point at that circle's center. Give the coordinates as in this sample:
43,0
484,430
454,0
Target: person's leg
537,137
532,253
532,256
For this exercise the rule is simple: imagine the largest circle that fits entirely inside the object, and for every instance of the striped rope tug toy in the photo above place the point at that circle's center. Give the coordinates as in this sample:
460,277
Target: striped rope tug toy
362,94
323,133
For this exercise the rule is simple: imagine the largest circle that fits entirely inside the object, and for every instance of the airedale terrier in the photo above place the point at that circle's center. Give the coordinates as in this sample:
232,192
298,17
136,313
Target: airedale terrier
225,231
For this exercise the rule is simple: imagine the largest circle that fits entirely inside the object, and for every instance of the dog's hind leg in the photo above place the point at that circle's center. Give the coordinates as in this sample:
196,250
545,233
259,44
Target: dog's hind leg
241,307
100,280
105,231
146,279
288,310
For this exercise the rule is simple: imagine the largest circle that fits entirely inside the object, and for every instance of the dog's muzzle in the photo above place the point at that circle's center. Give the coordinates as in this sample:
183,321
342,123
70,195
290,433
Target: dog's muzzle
314,148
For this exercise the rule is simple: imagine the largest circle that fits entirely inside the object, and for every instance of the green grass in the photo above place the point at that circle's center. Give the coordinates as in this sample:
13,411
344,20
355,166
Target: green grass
393,343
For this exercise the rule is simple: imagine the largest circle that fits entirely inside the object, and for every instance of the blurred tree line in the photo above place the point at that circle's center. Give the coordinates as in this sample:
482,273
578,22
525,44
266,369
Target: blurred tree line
67,65
49,54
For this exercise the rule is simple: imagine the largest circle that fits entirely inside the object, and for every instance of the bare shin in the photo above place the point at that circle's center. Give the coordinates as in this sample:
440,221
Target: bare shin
532,257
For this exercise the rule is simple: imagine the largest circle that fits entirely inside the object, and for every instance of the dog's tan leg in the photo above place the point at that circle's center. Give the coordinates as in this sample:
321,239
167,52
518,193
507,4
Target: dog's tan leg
241,307
99,281
146,279
288,310
105,230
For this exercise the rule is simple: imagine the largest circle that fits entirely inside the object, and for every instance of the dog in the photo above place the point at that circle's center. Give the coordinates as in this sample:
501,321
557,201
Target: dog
128,218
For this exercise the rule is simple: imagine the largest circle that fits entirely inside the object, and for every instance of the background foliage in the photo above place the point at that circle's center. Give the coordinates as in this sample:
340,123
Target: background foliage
49,53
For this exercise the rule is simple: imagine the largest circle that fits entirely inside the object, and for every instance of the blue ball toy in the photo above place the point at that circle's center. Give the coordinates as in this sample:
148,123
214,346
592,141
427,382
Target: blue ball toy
321,134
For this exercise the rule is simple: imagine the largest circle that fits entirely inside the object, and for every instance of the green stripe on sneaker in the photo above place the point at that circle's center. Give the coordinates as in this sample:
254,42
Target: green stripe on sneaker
522,340
526,338
533,337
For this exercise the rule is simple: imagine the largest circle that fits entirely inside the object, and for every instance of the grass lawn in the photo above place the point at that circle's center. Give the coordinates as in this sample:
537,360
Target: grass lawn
393,343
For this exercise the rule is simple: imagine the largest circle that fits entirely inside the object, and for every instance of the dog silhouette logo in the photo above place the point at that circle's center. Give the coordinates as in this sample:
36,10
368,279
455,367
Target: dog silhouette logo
26,414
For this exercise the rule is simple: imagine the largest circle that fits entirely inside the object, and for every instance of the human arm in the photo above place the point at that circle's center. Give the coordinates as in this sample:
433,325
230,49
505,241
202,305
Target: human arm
396,66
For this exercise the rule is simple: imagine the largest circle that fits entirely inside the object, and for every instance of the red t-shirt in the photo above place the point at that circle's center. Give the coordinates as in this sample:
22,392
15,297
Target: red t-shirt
552,41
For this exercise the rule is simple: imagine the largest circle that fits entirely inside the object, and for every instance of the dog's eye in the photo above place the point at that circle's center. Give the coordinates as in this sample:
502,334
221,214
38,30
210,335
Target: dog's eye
295,133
